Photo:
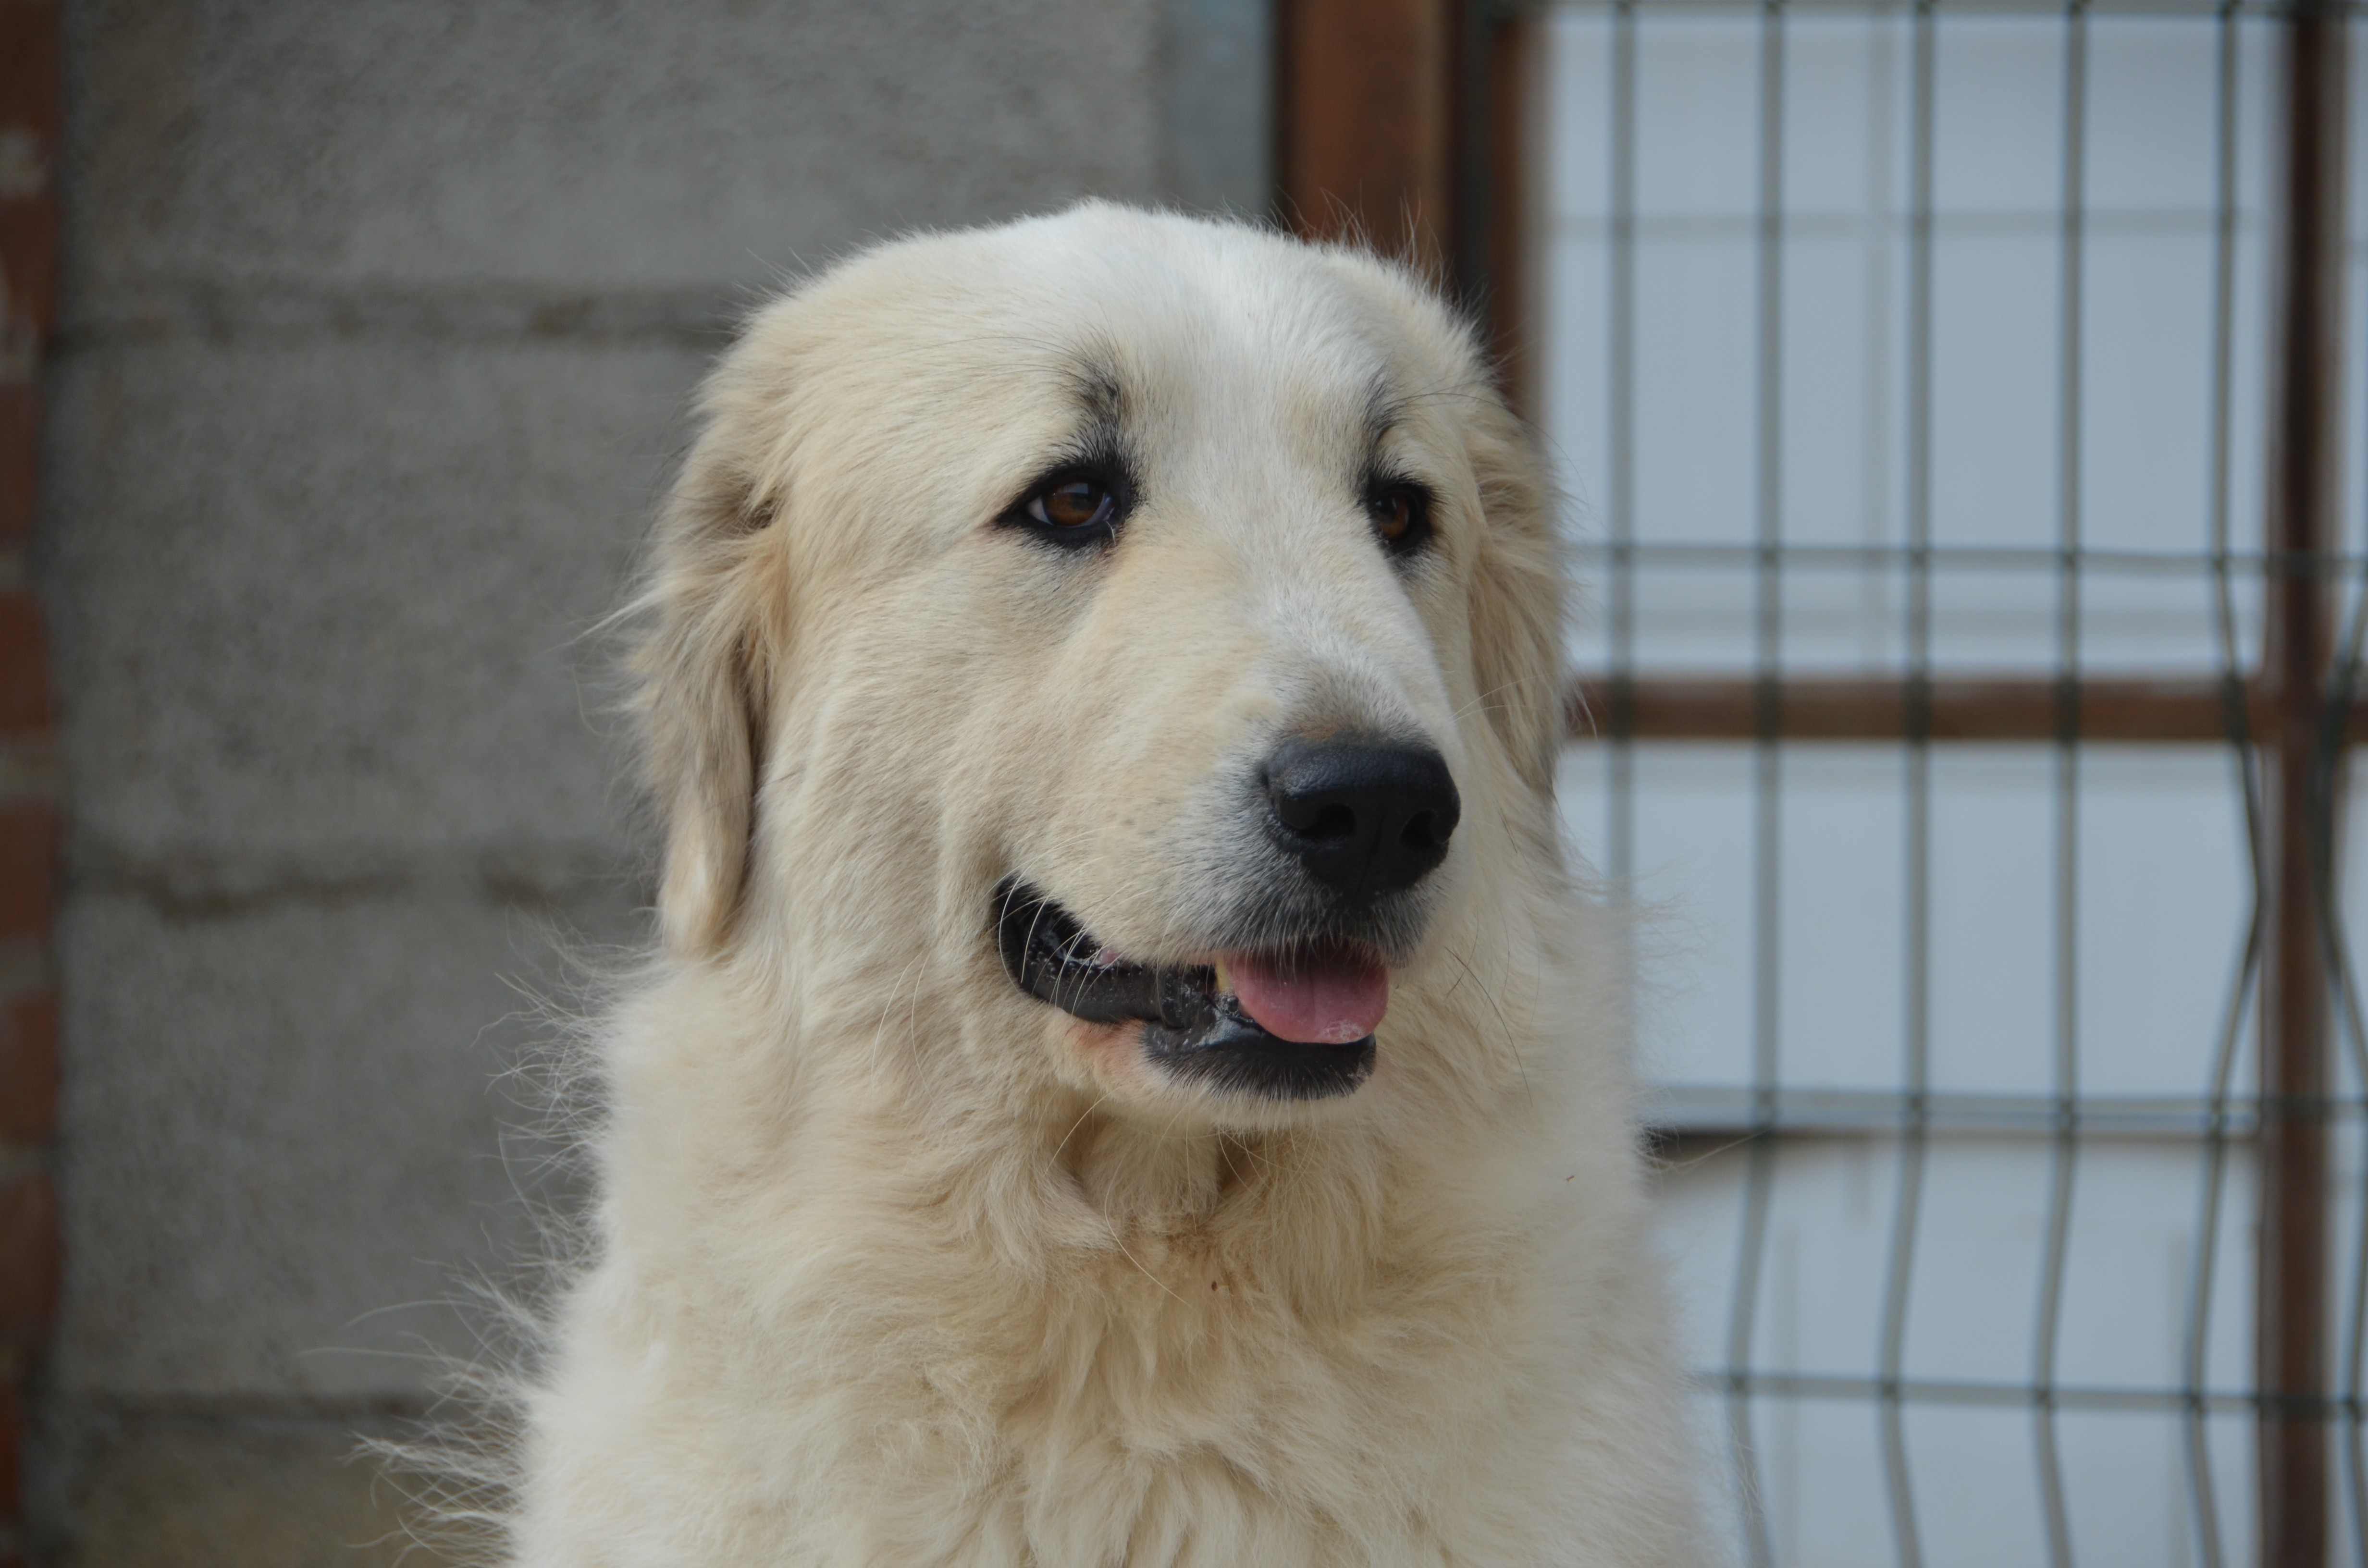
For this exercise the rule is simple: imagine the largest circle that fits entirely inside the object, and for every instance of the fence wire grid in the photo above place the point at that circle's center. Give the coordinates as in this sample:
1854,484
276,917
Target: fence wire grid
1938,383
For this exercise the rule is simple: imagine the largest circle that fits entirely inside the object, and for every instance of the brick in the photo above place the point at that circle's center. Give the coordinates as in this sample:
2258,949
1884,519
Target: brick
12,1451
29,66
20,443
28,1068
28,1260
29,139
24,668
28,271
28,845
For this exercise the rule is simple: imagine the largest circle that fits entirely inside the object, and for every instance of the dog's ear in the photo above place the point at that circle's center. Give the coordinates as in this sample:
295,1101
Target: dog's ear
1520,595
700,671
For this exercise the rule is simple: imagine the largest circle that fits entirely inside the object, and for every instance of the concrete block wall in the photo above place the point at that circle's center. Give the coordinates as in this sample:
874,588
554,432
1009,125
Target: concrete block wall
377,324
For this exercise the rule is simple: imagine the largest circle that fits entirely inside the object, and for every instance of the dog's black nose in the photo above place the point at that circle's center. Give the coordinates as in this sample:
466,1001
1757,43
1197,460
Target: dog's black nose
1363,815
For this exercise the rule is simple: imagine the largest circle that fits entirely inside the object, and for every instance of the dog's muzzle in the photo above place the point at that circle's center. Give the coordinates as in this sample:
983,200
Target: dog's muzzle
1192,1028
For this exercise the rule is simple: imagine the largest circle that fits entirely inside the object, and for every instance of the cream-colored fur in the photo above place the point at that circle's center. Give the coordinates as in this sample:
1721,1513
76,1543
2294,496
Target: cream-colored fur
898,1265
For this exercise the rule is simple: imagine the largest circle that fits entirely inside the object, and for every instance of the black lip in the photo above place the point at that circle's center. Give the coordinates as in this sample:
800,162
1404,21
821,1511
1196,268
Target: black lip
1190,1029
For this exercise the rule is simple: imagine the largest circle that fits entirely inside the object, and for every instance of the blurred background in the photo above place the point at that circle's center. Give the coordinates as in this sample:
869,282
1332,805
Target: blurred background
1957,407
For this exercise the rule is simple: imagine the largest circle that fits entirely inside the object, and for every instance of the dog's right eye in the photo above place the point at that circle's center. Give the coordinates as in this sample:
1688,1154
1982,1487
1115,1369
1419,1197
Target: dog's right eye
1078,507
1072,504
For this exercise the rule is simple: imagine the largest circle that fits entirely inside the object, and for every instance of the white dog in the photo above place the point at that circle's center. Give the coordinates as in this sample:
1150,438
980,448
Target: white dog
1128,1080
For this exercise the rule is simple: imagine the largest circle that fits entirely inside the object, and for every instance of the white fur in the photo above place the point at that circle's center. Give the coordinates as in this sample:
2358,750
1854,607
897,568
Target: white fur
896,1265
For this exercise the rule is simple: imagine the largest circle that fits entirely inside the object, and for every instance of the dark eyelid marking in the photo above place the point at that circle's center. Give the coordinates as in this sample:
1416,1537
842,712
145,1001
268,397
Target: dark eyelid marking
1099,445
1383,409
1095,386
1099,442
1096,449
1386,408
1379,475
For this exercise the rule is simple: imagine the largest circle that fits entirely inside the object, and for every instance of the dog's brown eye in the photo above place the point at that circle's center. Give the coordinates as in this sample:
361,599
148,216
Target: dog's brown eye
1401,515
1079,506
1072,504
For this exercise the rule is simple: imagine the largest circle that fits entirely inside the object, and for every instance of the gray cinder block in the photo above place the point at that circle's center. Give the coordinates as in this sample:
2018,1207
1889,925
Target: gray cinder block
594,147
329,598
283,1131
164,1490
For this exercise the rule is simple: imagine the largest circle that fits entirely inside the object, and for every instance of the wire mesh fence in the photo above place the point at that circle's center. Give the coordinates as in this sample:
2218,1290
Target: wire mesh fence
1955,395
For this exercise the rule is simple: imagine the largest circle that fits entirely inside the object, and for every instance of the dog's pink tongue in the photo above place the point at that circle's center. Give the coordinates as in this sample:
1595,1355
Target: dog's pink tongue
1326,999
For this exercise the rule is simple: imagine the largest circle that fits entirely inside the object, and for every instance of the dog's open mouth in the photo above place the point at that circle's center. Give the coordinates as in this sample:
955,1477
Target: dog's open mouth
1297,1026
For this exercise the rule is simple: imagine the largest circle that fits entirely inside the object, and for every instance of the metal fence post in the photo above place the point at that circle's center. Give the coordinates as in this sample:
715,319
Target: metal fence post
2303,498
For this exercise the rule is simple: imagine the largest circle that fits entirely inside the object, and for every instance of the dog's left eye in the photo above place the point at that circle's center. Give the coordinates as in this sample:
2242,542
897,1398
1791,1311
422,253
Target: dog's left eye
1401,515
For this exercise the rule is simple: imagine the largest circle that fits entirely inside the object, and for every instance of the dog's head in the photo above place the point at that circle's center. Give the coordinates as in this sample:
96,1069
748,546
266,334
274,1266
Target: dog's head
1129,638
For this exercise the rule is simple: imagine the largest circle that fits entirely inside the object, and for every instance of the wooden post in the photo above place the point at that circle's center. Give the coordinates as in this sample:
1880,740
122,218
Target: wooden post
2300,800
1405,124
1494,194
1369,124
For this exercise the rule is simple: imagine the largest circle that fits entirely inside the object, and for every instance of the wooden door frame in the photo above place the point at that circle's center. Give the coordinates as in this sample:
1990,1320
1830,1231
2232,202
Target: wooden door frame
1404,125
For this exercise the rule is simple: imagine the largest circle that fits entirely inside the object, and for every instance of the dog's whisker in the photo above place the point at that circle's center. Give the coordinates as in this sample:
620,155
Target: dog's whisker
1102,1100
1146,1273
1512,1036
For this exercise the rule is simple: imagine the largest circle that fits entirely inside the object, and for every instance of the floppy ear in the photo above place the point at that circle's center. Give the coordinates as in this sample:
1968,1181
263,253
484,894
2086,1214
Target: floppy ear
700,676
1520,595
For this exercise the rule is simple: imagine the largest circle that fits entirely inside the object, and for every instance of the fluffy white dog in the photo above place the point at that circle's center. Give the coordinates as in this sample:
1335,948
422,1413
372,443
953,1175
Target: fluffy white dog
1129,1079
